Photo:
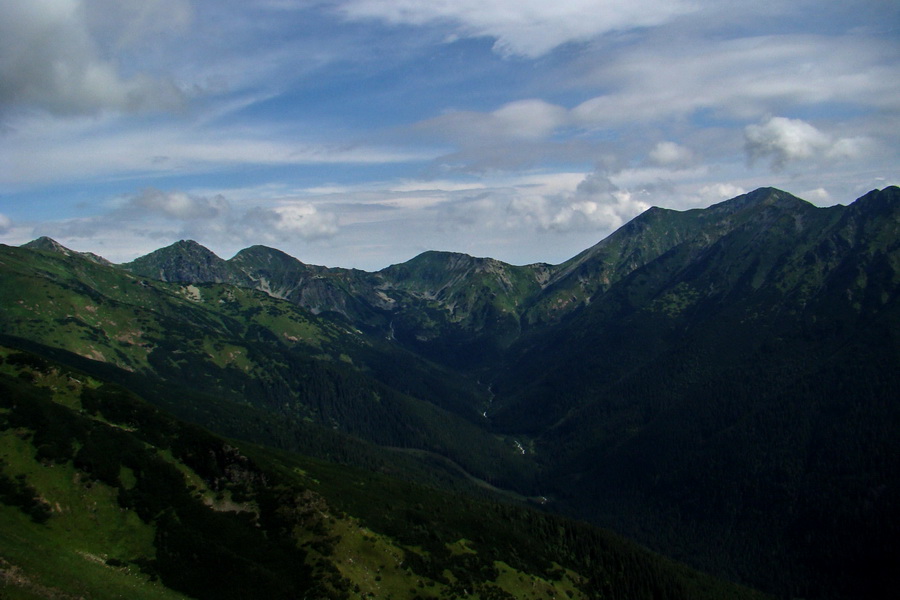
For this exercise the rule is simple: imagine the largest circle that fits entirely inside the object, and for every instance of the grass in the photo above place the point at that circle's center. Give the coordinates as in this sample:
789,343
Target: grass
375,564
67,555
52,561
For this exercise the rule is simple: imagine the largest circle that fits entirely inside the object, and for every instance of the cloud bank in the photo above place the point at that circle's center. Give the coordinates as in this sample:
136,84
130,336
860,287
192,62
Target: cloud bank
155,214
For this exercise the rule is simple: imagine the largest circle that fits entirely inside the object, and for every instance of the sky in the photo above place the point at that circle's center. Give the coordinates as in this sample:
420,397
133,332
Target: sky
360,133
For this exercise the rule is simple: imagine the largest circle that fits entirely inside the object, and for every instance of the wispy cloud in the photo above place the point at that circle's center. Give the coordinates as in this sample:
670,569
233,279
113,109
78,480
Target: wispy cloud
174,205
293,219
523,27
84,149
743,77
668,153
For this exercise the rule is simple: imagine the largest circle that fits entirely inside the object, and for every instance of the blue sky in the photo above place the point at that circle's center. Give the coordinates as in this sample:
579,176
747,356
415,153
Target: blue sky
359,133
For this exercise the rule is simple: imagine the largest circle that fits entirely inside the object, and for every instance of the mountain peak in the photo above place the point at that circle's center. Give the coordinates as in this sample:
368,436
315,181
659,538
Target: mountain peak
48,245
885,200
185,247
267,254
760,197
434,265
184,261
190,246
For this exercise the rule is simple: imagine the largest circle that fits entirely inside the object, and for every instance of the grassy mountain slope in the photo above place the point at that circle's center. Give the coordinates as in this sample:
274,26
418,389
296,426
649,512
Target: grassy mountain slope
458,309
102,495
243,346
450,306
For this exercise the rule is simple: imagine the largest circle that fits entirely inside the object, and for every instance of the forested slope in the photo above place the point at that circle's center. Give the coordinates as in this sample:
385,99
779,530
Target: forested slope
735,400
102,495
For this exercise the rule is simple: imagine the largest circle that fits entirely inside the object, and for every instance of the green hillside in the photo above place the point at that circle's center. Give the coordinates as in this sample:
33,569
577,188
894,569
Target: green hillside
247,348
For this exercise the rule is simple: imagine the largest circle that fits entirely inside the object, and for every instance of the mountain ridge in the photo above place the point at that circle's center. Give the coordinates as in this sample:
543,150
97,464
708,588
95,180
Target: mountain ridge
509,298
50,245
760,197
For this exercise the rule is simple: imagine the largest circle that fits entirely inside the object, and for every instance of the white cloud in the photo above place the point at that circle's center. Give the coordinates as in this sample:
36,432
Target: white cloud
161,216
296,218
523,27
50,59
176,205
670,154
529,119
678,84
481,154
602,203
818,196
437,185
83,148
519,134
655,177
850,148
560,204
214,217
118,25
785,141
5,224
716,192
605,214
744,77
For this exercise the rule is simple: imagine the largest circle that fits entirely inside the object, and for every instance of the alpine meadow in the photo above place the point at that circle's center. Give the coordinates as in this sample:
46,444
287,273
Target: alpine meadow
702,405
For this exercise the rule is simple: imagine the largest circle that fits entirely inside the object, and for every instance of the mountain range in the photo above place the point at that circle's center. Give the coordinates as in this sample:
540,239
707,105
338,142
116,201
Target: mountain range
717,384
